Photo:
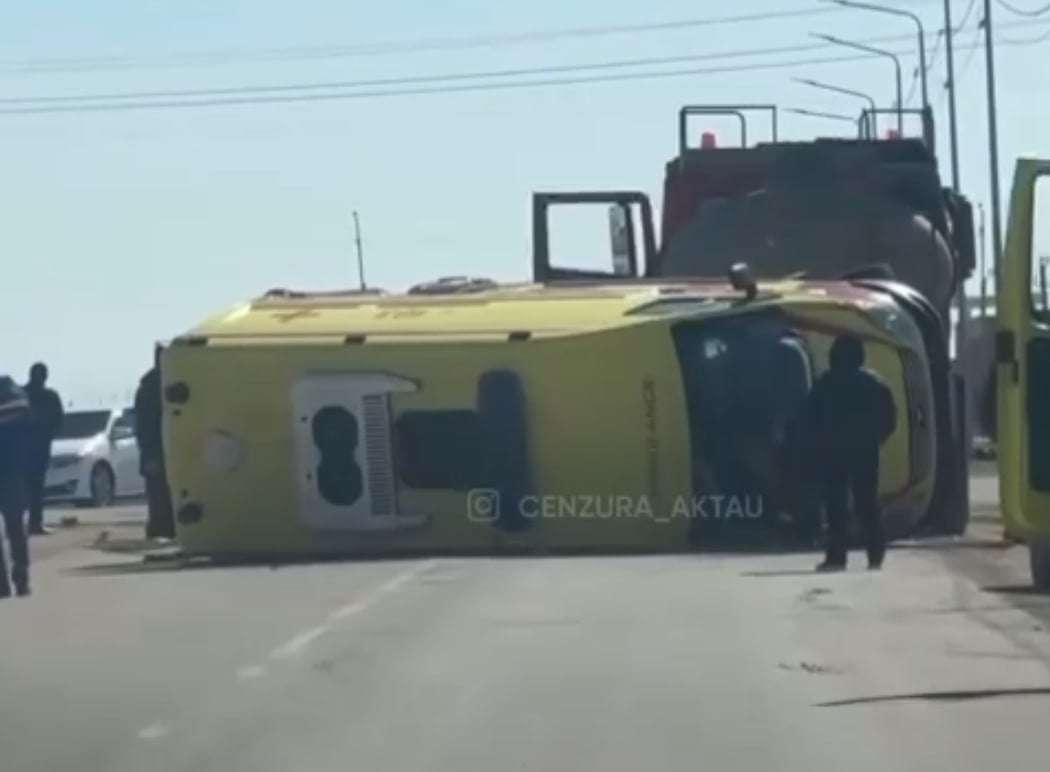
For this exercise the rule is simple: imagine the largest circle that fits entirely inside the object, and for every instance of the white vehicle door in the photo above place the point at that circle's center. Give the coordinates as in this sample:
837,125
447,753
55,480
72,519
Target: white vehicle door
124,454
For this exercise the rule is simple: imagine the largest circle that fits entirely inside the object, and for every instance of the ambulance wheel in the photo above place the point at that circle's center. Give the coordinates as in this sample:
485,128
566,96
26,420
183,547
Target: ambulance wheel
1039,558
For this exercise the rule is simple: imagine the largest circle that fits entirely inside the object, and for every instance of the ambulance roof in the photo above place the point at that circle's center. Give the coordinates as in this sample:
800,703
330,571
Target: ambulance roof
489,309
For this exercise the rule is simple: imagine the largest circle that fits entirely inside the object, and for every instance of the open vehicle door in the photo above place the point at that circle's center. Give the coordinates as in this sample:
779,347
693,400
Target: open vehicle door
1023,375
627,260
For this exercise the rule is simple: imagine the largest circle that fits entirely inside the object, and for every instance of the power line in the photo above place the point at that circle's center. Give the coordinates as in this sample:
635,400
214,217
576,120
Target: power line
396,47
966,15
916,75
227,56
959,26
1022,12
239,91
472,87
974,47
1024,41
414,79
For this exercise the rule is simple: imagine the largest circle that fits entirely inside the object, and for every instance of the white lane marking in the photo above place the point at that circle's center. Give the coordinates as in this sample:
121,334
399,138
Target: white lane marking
349,610
153,731
250,671
299,643
389,586
406,577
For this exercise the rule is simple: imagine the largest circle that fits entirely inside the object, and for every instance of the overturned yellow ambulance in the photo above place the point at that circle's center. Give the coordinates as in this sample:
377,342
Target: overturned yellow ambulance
575,415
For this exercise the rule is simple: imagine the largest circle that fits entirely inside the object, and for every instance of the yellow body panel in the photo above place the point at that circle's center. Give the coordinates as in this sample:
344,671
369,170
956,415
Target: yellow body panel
901,494
1025,508
608,434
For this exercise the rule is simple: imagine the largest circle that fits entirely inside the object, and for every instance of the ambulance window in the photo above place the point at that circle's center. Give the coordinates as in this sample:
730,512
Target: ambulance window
1040,264
714,347
439,449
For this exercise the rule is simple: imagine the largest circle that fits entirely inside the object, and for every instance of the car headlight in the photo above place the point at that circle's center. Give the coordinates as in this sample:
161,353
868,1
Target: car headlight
64,460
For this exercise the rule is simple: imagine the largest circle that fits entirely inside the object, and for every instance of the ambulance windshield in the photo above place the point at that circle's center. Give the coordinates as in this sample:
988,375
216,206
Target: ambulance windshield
745,378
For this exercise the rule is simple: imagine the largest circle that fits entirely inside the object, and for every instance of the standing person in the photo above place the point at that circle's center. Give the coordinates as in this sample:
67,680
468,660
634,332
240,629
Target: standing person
16,428
853,414
160,523
47,409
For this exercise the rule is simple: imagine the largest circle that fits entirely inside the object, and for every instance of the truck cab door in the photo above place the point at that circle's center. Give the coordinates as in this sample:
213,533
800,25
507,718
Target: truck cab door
627,259
1022,351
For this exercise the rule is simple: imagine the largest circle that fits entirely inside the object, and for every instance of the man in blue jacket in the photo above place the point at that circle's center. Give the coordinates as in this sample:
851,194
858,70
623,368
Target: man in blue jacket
16,444
47,408
160,523
853,414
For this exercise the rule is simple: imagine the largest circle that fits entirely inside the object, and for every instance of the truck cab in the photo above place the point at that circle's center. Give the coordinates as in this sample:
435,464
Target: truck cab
824,207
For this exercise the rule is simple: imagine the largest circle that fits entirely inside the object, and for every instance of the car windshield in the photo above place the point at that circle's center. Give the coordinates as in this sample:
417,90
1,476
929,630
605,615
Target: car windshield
81,424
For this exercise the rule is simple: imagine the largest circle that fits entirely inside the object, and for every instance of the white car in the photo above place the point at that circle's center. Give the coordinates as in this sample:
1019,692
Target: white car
94,458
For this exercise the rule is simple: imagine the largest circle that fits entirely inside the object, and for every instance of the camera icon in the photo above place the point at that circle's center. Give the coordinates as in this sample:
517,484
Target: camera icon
482,505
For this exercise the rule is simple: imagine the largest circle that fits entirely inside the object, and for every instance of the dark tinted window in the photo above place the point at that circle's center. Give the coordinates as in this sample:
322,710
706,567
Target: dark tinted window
439,449
81,424
126,420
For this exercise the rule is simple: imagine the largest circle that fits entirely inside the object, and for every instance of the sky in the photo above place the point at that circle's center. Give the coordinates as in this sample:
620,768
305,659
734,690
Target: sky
121,228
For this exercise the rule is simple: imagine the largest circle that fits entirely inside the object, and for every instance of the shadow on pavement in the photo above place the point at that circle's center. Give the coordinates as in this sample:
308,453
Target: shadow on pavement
947,696
153,560
149,565
160,559
942,544
1017,589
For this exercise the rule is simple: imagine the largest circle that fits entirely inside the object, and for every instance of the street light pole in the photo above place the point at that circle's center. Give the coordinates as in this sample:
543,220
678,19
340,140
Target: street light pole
847,92
818,114
953,126
876,52
922,37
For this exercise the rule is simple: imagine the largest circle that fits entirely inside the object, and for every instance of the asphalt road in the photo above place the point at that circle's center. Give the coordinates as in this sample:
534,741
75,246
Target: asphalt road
662,663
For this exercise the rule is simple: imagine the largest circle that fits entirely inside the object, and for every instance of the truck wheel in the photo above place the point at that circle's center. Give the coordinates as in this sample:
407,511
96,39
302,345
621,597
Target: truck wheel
1039,557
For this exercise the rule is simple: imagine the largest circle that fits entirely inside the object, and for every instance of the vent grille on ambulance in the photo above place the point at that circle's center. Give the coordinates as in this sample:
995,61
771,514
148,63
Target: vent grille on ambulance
379,454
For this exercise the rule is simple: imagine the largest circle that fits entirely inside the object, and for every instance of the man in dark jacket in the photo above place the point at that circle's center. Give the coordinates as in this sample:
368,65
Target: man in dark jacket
16,434
47,409
160,523
852,414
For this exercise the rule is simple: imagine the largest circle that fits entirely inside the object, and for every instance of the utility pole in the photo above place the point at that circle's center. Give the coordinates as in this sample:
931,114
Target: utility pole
983,263
953,126
993,145
360,253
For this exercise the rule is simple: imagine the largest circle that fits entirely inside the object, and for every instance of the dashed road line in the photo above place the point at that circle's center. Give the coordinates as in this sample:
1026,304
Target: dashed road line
299,643
154,731
250,672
